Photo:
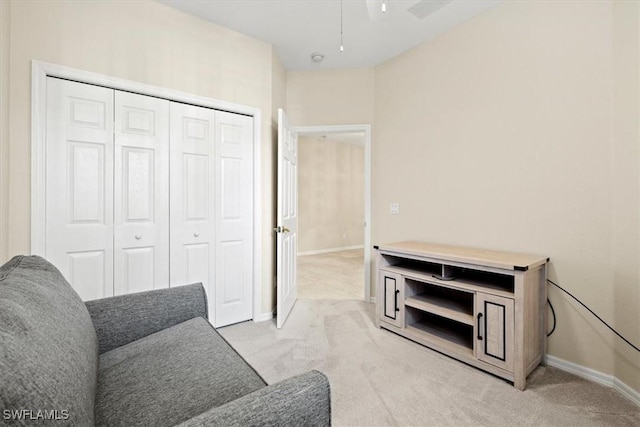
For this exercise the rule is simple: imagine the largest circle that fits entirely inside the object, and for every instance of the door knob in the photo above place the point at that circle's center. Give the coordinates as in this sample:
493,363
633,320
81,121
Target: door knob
196,234
281,229
138,236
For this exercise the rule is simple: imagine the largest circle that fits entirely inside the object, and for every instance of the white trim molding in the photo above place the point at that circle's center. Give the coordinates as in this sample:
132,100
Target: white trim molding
263,317
329,250
595,376
39,73
366,129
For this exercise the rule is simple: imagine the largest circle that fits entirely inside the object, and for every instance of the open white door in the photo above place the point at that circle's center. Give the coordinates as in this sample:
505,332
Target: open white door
287,219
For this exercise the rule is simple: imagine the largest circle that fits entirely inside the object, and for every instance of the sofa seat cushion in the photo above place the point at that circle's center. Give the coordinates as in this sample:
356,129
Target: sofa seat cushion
48,346
170,376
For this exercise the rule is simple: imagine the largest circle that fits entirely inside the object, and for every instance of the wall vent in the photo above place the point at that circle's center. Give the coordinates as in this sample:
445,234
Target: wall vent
426,7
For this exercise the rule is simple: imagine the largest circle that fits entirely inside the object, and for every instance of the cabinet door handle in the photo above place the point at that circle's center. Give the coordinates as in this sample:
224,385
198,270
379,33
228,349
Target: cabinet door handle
479,323
397,292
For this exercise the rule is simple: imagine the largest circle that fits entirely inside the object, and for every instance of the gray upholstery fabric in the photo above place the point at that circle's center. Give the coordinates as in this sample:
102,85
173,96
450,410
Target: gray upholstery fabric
303,400
126,318
48,347
162,364
170,376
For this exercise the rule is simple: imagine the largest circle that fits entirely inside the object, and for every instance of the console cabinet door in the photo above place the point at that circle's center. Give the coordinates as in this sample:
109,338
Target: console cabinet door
494,330
392,298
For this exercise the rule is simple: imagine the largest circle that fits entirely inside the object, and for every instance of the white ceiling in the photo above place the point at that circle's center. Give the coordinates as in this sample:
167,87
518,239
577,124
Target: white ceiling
298,28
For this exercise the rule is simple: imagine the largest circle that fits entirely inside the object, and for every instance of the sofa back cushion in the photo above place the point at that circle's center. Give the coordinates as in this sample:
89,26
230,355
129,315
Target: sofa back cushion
48,346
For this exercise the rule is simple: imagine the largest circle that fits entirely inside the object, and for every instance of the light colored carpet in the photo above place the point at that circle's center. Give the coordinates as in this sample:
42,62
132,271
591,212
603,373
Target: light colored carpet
334,275
381,379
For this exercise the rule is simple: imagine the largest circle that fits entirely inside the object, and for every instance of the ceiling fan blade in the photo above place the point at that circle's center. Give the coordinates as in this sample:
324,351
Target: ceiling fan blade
374,7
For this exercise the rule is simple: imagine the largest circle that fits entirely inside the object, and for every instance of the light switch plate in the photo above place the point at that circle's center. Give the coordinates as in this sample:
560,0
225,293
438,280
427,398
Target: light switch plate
394,208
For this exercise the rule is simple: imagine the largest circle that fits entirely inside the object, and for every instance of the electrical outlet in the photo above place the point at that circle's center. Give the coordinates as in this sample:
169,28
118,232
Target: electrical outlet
394,208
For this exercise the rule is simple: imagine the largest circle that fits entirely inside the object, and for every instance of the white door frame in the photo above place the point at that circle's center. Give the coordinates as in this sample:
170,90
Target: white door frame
308,130
39,73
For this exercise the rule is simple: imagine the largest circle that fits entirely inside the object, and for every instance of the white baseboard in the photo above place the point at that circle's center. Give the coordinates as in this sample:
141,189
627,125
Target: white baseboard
627,391
326,251
595,376
263,317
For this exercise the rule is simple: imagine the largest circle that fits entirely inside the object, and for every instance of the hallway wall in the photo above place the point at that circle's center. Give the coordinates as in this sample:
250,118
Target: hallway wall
330,194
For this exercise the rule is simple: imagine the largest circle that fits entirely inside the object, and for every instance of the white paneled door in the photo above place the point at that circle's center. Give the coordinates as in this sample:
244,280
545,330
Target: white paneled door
287,219
79,185
192,210
144,193
234,218
141,203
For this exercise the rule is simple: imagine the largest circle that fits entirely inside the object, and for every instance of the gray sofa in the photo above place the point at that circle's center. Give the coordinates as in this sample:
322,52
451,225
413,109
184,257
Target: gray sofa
147,359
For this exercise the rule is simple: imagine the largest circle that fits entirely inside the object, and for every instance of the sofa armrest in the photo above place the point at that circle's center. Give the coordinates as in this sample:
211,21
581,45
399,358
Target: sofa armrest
303,400
122,319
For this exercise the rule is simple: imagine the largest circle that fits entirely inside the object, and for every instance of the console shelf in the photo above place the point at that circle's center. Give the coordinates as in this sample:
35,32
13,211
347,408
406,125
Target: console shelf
485,308
447,302
442,337
498,288
442,307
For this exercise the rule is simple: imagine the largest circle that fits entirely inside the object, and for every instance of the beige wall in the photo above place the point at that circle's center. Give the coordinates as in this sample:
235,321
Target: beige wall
500,134
143,41
4,127
269,206
330,194
626,187
278,88
330,97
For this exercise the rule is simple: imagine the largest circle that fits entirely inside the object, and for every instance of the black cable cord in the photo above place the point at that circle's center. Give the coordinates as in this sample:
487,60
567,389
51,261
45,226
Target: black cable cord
591,311
554,317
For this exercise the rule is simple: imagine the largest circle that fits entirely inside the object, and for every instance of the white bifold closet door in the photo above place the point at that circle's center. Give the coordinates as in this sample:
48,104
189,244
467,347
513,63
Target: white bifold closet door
192,195
141,202
145,193
107,195
234,218
79,185
212,208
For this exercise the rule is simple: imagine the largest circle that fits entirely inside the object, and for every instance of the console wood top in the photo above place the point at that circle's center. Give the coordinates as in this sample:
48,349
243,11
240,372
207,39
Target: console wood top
497,259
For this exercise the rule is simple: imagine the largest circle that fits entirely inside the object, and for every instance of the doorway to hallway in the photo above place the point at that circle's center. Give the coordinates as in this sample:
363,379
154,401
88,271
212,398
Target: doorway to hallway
334,275
331,215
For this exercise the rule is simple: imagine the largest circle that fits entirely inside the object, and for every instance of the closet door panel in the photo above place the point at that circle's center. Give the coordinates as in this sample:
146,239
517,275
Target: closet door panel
79,180
197,263
138,272
88,274
234,218
141,240
192,196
